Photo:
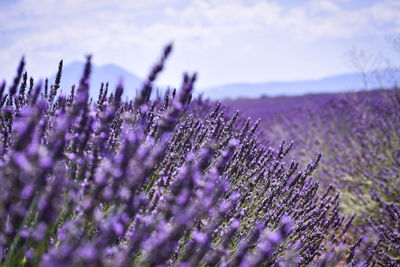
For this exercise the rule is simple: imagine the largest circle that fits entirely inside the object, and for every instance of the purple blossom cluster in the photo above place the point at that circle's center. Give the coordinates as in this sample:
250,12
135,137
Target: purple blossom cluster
164,181
358,134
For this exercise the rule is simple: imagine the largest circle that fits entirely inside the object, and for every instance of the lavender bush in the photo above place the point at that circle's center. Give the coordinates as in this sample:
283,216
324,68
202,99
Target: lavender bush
165,181
358,134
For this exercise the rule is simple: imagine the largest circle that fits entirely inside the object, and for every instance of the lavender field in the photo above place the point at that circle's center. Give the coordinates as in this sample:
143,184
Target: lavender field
175,180
358,136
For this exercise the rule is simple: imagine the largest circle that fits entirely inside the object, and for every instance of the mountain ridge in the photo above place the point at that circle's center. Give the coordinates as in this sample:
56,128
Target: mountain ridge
112,73
331,84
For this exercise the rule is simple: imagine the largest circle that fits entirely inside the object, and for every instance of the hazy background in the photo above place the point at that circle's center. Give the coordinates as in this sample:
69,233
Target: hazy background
226,42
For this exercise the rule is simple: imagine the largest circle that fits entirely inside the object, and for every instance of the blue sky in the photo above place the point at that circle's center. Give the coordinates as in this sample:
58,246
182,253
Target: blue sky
225,41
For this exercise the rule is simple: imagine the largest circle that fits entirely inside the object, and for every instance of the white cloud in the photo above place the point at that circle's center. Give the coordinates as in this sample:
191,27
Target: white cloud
46,30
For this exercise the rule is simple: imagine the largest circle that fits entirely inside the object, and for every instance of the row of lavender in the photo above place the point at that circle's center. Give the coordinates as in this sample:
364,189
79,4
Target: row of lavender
359,137
170,181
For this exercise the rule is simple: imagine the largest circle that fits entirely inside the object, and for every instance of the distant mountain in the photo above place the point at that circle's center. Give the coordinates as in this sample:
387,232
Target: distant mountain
332,84
111,73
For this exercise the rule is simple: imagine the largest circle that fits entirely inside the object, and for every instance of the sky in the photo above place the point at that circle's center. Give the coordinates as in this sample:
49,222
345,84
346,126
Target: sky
224,41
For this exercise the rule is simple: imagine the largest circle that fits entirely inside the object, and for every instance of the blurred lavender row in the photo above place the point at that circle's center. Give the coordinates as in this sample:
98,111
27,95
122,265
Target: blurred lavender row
359,136
164,181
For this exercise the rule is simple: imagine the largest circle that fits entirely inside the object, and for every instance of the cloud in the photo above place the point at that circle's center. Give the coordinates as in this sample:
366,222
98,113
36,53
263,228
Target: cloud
47,30
315,19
